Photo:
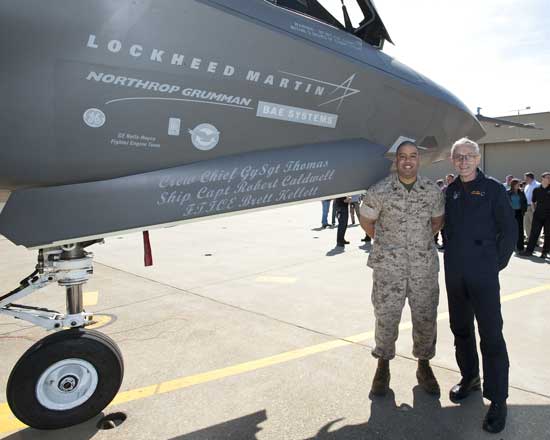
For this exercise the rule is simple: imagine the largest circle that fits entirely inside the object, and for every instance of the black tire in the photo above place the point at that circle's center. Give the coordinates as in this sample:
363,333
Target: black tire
87,345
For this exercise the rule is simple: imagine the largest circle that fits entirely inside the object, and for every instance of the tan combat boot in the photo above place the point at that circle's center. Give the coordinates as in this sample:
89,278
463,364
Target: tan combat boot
381,381
426,378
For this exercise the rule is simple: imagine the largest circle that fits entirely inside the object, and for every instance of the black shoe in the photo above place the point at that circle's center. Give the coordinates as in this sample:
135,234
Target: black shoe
544,255
341,243
526,253
463,389
325,226
366,239
495,420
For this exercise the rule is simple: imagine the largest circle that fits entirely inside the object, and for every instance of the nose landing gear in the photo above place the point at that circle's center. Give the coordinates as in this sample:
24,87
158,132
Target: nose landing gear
72,375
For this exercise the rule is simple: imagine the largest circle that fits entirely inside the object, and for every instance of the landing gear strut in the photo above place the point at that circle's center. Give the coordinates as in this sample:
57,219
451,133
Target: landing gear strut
72,375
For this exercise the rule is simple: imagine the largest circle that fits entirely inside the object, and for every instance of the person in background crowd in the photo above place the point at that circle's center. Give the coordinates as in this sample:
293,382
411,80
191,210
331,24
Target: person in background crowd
342,210
519,205
449,178
507,182
402,212
541,217
530,185
324,215
334,213
354,207
481,236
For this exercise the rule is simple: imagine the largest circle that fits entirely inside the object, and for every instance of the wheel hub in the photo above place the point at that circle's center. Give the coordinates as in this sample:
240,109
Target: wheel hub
66,384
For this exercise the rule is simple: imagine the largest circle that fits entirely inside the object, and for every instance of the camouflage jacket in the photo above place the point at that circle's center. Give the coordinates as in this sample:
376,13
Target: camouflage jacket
404,242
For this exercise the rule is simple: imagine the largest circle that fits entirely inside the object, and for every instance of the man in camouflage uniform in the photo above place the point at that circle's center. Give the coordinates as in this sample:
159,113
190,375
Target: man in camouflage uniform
403,212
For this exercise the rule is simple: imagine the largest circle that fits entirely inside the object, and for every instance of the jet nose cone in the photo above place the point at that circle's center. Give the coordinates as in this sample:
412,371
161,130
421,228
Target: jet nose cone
453,109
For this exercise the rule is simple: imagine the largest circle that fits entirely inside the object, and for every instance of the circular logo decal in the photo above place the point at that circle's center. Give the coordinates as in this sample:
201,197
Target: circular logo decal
94,117
205,136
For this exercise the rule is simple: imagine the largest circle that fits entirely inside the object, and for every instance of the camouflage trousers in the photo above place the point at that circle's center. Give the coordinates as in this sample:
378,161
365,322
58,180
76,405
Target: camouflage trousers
389,292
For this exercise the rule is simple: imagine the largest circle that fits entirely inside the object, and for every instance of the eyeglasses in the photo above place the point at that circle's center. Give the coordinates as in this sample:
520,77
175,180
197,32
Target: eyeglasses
464,157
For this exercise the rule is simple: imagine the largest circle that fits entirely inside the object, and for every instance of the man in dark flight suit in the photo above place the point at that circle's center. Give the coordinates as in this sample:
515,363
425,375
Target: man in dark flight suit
481,234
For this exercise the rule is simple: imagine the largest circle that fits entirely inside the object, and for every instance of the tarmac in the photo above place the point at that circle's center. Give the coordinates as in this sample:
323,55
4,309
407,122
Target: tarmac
256,327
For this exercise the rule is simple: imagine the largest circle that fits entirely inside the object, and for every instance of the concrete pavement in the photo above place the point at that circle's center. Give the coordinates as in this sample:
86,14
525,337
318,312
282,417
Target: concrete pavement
256,327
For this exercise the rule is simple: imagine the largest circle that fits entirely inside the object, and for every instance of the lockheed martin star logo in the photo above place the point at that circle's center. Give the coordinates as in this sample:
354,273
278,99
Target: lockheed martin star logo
340,91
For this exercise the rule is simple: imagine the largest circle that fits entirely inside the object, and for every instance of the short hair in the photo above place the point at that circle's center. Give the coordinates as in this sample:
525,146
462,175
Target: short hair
530,175
509,176
439,182
546,173
450,175
402,144
465,141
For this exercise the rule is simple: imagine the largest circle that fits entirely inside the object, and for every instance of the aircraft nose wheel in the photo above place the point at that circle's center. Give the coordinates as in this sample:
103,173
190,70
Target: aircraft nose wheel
65,379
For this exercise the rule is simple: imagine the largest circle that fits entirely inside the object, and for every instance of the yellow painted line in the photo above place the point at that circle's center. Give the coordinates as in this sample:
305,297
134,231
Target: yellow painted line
525,292
9,423
90,298
100,321
275,280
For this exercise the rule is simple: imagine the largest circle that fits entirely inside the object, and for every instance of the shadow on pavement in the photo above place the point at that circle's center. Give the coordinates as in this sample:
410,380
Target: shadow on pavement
336,251
425,420
243,428
366,246
533,258
84,431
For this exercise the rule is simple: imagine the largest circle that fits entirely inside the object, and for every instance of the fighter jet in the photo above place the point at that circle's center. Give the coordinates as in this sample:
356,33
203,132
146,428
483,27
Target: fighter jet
123,115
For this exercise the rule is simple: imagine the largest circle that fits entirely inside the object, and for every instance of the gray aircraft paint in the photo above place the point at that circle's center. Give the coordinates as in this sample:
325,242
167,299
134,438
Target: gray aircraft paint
99,90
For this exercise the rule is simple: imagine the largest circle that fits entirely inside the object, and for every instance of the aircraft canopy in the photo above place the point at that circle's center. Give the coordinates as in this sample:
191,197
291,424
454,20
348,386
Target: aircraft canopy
371,29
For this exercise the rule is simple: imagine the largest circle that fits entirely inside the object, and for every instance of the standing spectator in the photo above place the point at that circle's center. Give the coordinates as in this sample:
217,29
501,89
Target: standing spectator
334,212
324,216
530,185
354,207
342,209
519,205
402,213
481,235
507,182
541,217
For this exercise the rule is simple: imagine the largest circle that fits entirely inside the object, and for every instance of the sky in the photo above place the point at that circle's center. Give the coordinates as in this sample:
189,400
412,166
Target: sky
493,54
